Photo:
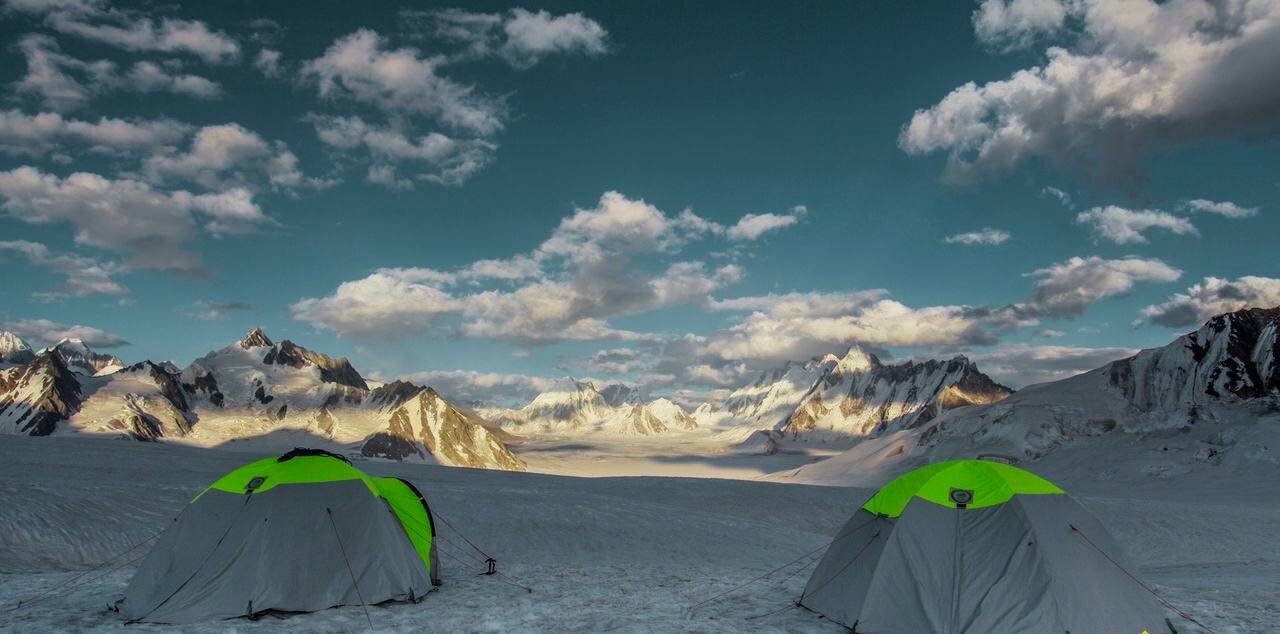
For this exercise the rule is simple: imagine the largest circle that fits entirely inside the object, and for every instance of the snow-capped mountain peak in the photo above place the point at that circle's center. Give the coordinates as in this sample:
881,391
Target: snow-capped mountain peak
13,350
855,360
568,403
35,396
860,396
255,338
81,358
671,414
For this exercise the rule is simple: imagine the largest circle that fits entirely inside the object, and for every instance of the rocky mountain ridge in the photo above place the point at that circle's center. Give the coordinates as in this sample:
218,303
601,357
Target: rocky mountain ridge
1209,397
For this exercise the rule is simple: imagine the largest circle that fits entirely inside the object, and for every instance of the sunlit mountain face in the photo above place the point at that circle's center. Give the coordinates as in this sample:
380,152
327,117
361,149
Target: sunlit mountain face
633,221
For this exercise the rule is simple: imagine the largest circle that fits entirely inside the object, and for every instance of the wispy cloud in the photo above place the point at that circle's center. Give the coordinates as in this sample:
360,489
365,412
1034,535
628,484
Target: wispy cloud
40,134
84,275
210,310
132,30
62,82
520,37
753,226
1223,208
986,236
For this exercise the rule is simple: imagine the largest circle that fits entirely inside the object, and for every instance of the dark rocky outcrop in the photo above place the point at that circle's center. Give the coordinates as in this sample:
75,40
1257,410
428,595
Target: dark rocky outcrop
255,339
207,384
1232,356
394,394
331,370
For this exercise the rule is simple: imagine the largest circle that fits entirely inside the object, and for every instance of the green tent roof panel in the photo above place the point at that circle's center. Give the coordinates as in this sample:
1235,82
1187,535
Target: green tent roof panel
303,469
973,483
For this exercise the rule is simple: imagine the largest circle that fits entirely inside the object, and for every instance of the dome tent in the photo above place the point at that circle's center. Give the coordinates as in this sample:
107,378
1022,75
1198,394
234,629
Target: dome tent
298,533
970,546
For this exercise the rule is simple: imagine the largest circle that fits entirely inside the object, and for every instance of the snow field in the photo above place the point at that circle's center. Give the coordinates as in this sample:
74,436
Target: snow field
602,554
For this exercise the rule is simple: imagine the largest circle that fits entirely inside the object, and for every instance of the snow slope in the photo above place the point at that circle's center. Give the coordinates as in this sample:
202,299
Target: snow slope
602,554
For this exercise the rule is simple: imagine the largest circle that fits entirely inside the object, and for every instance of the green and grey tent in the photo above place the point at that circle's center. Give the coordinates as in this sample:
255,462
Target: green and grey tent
298,533
971,546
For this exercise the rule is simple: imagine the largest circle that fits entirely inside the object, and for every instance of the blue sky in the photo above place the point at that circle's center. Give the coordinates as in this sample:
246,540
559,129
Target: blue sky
487,196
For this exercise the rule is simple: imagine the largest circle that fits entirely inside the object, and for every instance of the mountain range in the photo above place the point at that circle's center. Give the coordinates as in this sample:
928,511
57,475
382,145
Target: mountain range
74,352
572,407
253,393
850,397
256,393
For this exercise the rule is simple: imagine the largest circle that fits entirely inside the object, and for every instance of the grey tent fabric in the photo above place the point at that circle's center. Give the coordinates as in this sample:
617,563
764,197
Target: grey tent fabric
229,555
834,589
1016,567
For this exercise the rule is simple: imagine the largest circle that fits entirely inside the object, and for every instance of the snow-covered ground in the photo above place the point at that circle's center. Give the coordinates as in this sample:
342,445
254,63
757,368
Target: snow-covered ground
697,454
602,554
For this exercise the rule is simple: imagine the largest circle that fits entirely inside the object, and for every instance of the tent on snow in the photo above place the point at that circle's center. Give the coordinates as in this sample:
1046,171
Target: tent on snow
298,533
971,546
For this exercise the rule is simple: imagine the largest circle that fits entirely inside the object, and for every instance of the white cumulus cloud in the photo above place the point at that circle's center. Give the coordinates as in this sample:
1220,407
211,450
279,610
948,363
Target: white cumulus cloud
1213,296
152,226
1067,288
363,67
1016,23
1122,78
599,263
